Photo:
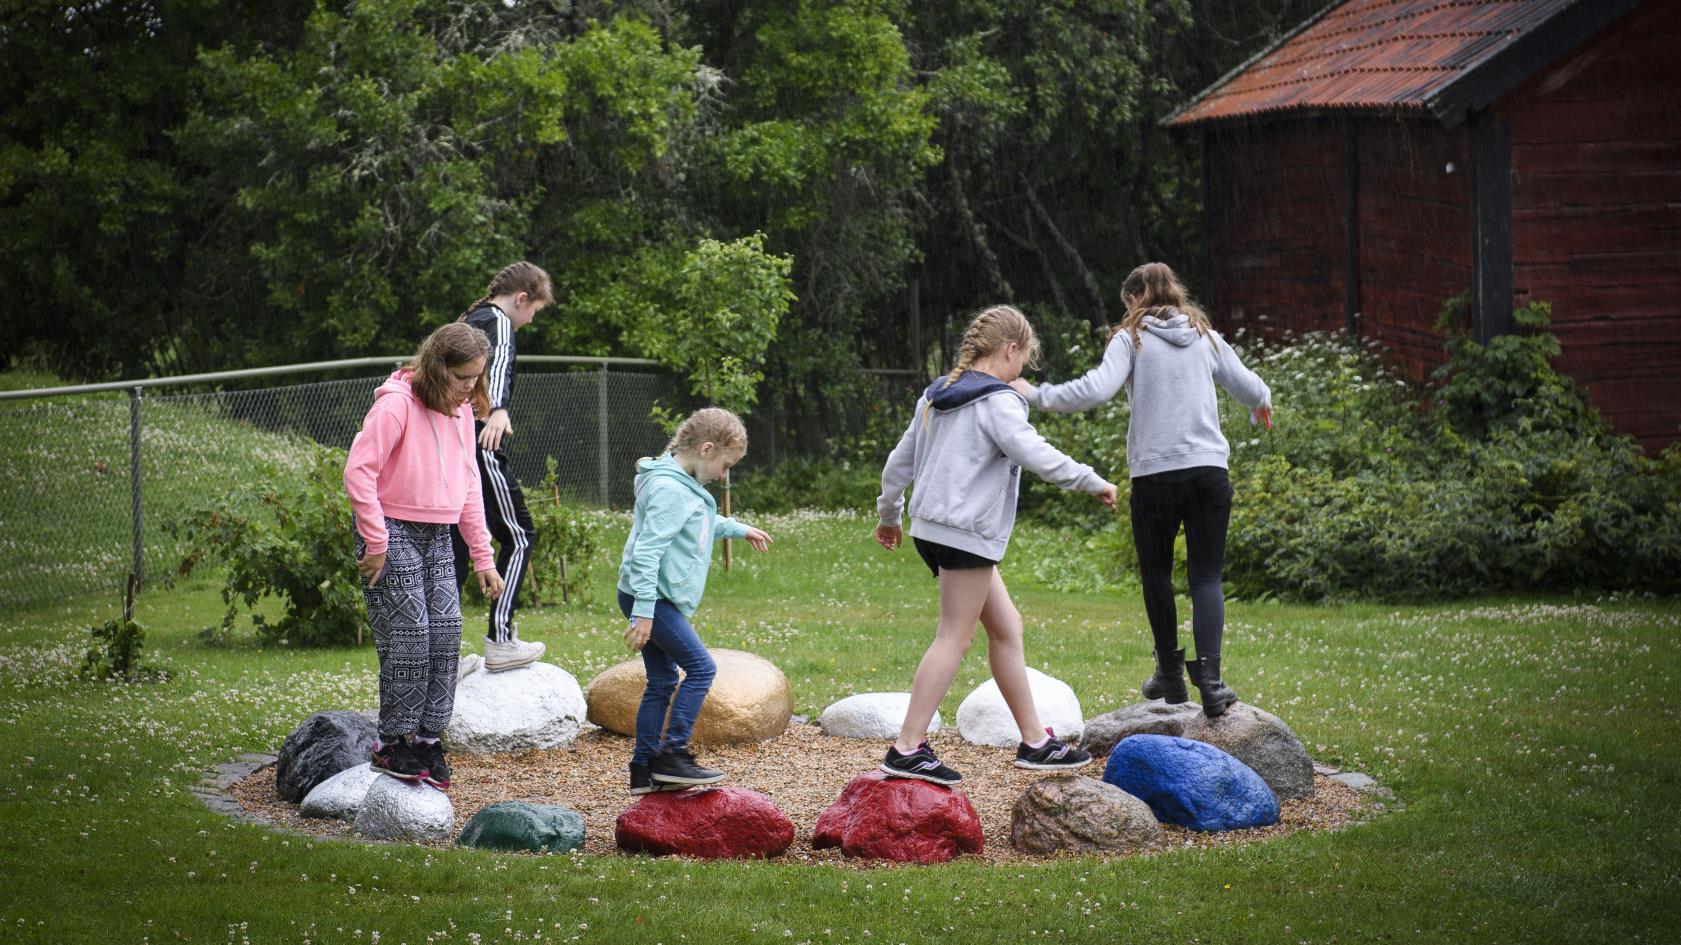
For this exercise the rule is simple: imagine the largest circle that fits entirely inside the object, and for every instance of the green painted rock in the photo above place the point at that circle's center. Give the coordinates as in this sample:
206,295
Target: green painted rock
517,825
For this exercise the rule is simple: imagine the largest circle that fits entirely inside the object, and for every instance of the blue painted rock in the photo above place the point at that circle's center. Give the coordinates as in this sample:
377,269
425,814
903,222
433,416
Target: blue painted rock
518,825
1191,783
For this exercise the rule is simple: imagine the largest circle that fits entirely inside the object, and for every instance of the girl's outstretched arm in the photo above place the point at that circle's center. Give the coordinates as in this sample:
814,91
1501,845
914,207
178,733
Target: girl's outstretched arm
1239,381
1095,388
1005,420
896,474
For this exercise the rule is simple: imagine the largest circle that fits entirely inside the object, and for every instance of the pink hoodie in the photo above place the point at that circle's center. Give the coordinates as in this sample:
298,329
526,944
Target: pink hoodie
417,465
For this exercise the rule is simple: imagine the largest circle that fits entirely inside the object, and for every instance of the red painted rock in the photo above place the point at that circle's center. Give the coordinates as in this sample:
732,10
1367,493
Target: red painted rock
718,823
899,819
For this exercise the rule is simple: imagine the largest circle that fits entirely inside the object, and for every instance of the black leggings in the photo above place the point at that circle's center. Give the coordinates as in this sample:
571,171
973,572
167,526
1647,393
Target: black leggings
1201,498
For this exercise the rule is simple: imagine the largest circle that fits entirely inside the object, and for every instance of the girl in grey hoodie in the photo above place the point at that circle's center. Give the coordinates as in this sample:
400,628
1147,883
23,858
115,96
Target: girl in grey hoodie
1169,359
965,448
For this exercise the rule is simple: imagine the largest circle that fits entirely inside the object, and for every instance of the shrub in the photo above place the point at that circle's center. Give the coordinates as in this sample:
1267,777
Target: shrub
567,549
298,547
115,653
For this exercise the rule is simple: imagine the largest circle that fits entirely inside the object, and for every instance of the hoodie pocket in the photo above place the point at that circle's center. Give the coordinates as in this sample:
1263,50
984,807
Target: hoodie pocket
992,522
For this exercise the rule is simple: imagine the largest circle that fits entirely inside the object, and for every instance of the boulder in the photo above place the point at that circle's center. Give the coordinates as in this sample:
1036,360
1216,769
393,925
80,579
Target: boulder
1155,717
340,796
395,809
1255,737
1081,815
524,827
719,823
749,702
984,719
325,744
1262,741
900,819
533,706
872,715
1191,783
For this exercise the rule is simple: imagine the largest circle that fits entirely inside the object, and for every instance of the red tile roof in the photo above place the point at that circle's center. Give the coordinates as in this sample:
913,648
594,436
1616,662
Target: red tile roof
1392,56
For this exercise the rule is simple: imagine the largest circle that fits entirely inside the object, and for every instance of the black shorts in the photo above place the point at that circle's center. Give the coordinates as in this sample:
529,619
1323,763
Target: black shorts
940,556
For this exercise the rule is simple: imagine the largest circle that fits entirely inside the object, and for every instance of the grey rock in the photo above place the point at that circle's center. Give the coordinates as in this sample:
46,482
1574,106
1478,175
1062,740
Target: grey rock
325,744
340,796
535,706
870,715
1155,717
394,809
1356,780
1262,741
1253,736
1081,815
520,825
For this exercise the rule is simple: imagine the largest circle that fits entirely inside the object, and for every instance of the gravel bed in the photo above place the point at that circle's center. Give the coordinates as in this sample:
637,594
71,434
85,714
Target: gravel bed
802,771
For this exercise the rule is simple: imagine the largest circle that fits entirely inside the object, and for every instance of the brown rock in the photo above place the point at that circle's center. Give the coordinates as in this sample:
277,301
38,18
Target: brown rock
1081,815
750,699
1262,741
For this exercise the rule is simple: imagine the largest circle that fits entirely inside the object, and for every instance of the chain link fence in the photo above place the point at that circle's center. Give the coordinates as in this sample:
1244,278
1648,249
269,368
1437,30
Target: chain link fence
99,477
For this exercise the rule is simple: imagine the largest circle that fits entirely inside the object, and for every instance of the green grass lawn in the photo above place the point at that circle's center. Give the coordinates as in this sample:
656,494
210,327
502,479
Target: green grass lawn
1532,742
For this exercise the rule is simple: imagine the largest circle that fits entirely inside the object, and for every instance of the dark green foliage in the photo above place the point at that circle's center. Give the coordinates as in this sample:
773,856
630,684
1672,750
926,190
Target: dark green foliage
115,653
299,548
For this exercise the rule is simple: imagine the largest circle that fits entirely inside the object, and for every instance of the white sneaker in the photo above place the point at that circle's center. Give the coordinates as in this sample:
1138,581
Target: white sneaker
510,655
467,664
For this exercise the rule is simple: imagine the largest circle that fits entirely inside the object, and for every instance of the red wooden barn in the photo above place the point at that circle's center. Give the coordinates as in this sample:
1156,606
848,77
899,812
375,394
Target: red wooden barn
1389,154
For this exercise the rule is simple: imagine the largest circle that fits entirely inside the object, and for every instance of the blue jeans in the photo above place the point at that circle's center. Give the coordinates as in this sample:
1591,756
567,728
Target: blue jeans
673,644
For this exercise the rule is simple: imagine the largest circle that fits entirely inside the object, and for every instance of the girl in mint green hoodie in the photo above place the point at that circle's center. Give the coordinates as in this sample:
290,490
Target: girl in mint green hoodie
661,579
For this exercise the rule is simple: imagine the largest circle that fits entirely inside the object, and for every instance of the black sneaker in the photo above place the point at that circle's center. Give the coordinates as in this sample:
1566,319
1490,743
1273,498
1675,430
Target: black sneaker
920,764
642,783
398,759
437,769
677,766
1053,755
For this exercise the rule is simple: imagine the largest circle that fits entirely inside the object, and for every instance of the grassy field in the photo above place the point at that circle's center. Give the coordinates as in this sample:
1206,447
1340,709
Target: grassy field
1533,744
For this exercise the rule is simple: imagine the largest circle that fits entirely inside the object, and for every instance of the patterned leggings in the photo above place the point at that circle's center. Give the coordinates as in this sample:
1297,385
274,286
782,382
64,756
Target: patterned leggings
415,610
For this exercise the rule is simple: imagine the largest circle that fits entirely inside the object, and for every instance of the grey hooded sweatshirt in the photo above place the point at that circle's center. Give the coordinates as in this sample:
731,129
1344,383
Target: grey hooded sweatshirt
1170,380
965,449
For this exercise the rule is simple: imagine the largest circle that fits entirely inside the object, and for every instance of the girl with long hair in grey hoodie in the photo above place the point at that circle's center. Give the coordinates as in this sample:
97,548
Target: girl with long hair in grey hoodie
965,448
1169,359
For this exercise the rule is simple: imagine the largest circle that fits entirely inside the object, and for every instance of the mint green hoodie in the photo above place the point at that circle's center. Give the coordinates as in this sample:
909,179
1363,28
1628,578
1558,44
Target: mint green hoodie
669,549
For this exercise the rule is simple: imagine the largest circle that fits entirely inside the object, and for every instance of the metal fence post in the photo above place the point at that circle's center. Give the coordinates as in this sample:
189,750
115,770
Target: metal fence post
136,484
601,428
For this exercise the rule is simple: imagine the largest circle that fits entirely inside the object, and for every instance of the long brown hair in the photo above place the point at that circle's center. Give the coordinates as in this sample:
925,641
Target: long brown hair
1154,290
451,346
513,279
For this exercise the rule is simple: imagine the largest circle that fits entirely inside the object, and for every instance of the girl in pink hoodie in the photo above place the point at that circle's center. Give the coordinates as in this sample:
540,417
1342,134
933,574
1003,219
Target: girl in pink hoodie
410,476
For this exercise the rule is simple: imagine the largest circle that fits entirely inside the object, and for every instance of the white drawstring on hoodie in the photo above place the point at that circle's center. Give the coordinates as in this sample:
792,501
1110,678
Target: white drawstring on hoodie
438,447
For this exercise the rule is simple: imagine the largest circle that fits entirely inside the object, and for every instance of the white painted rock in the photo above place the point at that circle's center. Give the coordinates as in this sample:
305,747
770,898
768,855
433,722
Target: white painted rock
984,719
340,796
394,809
872,715
535,706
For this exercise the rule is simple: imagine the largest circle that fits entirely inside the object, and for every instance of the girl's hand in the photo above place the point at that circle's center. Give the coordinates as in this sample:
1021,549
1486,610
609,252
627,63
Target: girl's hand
889,536
758,539
371,567
491,583
496,426
1107,494
1023,388
1262,415
637,633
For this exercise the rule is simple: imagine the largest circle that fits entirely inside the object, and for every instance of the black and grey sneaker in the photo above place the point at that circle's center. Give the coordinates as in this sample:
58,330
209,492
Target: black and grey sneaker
677,766
398,759
920,764
642,783
1053,755
437,769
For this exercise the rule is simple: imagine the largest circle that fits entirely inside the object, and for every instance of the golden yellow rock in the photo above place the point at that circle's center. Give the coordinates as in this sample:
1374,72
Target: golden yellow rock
750,700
